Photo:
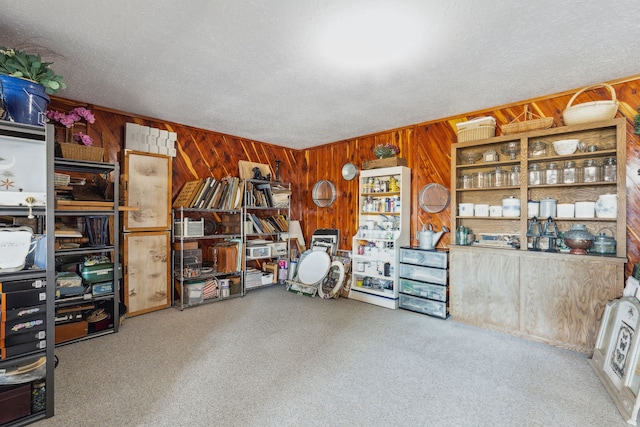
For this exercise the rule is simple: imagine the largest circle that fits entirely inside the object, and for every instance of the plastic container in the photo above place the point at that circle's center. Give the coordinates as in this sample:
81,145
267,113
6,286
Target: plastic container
585,209
194,292
548,207
511,207
481,209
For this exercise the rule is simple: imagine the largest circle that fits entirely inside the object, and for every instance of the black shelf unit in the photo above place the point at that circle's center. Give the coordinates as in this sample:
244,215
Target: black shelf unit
111,250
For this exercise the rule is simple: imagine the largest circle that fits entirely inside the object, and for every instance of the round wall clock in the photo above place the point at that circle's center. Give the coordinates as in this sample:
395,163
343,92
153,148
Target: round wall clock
349,171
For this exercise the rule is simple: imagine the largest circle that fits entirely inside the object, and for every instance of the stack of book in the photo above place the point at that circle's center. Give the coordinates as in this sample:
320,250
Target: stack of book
209,193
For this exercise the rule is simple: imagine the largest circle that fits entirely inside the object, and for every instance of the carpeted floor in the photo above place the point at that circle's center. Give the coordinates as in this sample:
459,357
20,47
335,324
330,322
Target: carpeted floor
274,358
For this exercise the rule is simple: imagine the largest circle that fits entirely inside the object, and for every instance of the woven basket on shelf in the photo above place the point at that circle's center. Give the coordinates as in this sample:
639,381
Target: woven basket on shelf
82,152
530,121
591,111
475,133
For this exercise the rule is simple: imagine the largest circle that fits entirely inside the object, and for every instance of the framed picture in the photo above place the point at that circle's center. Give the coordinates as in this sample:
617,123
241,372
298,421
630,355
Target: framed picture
615,357
294,248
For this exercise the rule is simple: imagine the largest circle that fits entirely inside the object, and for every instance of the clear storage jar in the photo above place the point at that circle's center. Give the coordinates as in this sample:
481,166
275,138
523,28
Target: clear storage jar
591,171
514,176
466,181
498,177
480,180
570,173
551,174
535,174
609,169
538,149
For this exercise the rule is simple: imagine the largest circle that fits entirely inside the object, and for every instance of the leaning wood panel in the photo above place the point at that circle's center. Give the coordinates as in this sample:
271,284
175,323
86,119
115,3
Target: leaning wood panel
147,279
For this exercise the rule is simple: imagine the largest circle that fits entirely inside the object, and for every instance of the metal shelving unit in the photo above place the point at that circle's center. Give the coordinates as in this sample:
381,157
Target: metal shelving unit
197,270
42,139
107,211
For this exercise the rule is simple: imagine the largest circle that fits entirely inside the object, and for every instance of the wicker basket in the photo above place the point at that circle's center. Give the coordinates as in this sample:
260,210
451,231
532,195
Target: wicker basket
530,121
82,152
591,111
475,133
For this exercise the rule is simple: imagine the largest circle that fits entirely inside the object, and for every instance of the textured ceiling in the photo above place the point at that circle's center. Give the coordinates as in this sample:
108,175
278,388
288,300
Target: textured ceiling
260,70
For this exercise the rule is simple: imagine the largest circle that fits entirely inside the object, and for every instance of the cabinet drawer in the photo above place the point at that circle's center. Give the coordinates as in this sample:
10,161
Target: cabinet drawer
424,306
424,274
424,290
426,258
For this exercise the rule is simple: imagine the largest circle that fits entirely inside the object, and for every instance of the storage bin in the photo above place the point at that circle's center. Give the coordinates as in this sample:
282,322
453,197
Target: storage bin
424,274
194,292
258,251
424,306
424,290
426,258
19,299
189,228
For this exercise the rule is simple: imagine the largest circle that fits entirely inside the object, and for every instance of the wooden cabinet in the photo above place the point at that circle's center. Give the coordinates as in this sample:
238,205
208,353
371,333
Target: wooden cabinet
550,296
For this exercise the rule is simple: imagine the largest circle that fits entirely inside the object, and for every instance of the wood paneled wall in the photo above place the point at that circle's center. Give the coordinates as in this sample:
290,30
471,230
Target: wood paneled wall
426,146
201,153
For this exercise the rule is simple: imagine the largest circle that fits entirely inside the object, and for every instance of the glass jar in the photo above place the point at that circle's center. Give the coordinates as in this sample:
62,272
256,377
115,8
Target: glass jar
480,180
591,171
552,174
569,172
514,175
535,174
466,181
498,177
609,169
538,149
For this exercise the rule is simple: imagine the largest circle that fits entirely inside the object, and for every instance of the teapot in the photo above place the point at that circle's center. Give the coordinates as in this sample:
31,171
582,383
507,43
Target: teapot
427,238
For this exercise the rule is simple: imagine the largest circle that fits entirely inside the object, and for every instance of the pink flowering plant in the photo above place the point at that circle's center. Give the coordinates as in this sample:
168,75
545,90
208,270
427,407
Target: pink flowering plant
69,118
386,150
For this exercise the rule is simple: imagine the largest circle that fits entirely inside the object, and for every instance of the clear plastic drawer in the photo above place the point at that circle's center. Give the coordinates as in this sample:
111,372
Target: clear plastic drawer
424,306
424,290
423,257
424,274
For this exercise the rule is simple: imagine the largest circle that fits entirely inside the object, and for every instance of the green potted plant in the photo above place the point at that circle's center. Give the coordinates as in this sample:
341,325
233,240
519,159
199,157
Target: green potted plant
25,81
